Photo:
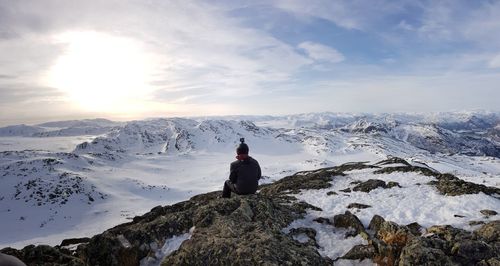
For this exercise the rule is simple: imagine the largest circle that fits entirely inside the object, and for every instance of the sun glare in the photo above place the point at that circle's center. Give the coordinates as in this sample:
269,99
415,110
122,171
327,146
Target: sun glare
101,72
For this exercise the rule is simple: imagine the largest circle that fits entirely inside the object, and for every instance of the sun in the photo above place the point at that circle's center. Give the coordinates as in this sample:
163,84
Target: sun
101,72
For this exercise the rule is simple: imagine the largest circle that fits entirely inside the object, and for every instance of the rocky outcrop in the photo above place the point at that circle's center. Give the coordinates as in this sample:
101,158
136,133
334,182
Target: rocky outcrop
446,184
393,244
450,185
244,230
370,185
250,225
393,160
251,230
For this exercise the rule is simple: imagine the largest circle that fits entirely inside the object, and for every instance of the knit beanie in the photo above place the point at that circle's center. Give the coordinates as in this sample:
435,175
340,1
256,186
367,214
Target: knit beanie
242,149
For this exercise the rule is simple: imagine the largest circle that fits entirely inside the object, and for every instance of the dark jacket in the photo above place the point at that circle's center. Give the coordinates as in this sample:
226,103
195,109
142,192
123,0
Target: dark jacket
245,175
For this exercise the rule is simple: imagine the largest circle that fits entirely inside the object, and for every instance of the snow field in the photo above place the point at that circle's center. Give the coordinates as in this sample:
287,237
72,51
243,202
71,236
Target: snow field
171,244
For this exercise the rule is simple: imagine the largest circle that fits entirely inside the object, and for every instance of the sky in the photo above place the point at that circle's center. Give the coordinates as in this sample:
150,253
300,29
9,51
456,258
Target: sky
132,59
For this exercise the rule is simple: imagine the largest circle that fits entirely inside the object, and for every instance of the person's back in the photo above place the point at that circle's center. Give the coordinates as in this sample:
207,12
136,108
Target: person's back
244,173
247,174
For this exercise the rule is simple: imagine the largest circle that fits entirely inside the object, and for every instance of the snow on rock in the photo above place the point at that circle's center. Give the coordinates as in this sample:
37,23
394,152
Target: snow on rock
331,241
414,201
171,245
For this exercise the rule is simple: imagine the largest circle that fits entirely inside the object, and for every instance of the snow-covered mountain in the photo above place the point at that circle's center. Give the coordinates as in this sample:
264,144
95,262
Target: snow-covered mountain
123,169
61,128
177,136
20,130
472,134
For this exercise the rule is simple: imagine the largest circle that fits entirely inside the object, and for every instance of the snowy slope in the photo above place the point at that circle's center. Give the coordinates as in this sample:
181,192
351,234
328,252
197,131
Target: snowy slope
119,170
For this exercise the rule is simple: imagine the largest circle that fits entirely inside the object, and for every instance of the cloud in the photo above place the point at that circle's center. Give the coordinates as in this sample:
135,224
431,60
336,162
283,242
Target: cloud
335,11
403,25
495,62
473,22
16,93
27,56
215,52
482,26
436,21
321,53
400,93
25,103
7,76
210,55
348,14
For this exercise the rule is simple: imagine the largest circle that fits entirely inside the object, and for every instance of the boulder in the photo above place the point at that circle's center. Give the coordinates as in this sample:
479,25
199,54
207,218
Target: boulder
415,228
376,223
448,232
470,251
489,232
360,252
349,220
393,234
422,251
389,241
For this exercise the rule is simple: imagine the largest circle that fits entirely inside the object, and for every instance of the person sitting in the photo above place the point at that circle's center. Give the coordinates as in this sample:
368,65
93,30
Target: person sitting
244,173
